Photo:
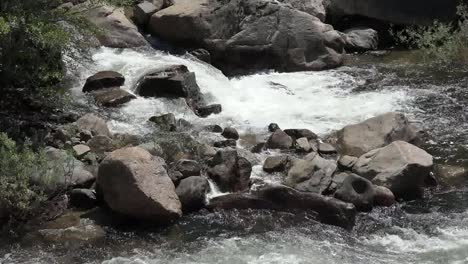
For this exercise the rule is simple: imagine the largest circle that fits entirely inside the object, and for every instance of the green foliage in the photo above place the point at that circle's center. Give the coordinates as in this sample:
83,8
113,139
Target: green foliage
26,176
440,42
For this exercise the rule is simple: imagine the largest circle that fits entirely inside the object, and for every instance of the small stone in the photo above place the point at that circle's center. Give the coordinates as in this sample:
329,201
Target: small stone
346,162
325,148
276,164
303,145
165,122
213,128
81,150
230,133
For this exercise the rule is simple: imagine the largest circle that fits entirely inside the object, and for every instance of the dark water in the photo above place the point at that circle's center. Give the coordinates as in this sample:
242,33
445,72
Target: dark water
431,230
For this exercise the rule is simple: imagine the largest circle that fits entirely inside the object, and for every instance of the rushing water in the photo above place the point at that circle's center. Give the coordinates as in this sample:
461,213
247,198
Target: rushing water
433,230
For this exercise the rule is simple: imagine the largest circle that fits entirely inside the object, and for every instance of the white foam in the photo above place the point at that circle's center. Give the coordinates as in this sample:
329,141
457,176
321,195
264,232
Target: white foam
320,101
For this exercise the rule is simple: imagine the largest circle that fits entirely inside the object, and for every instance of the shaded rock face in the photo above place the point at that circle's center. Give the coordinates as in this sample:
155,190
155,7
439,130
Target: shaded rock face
314,174
276,163
142,12
412,12
230,171
300,133
202,54
251,34
117,30
102,80
187,167
358,191
230,133
361,39
94,124
383,196
205,111
400,166
376,132
192,193
329,210
173,82
135,184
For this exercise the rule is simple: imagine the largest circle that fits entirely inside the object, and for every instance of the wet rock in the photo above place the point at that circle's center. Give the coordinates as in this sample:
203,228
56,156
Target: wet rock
383,196
229,171
83,198
125,140
81,150
300,133
205,151
329,210
361,39
273,127
93,123
276,163
279,140
187,167
202,54
451,175
100,144
225,143
192,193
230,133
103,80
176,145
346,162
213,128
258,148
356,140
142,12
174,81
205,111
183,125
117,30
165,122
176,176
358,191
302,145
325,148
400,166
254,35
136,184
112,97
313,174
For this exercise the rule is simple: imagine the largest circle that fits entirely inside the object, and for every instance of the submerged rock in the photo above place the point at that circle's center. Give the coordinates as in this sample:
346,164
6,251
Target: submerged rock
356,140
103,80
278,197
136,184
400,166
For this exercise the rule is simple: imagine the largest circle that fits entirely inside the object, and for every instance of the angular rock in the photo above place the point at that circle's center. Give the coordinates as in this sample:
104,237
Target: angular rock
202,54
302,145
358,191
258,148
383,196
251,34
192,193
136,184
187,167
230,133
276,163
361,39
356,140
112,97
313,174
116,29
142,12
81,150
83,198
278,197
400,166
229,171
103,80
225,143
93,123
205,111
300,133
279,140
165,122
346,162
100,144
325,148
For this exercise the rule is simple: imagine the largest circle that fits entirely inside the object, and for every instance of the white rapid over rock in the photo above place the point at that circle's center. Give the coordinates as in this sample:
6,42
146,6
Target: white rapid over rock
320,101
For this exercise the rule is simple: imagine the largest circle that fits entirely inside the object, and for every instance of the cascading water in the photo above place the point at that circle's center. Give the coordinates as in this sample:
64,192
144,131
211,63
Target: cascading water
431,231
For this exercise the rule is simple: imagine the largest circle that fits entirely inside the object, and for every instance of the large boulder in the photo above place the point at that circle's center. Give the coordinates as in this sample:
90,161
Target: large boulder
174,81
230,171
102,80
192,193
135,183
419,12
117,31
243,35
94,124
313,174
279,197
356,140
400,166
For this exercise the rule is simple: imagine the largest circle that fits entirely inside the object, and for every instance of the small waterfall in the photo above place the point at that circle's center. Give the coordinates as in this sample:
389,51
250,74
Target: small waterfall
214,191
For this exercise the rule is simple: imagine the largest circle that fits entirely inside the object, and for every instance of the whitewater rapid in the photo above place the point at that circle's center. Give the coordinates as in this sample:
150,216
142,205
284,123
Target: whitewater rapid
320,101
